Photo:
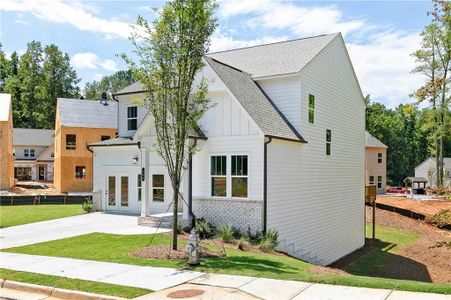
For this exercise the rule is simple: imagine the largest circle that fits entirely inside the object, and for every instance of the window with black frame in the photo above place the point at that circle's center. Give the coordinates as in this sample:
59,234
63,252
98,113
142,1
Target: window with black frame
218,174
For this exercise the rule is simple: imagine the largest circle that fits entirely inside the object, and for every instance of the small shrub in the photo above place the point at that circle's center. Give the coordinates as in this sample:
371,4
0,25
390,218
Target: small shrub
243,244
88,205
204,228
236,233
253,238
441,218
226,233
269,241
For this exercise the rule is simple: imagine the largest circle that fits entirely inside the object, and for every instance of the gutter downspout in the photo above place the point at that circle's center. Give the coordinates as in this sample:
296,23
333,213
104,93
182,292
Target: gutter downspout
191,218
265,183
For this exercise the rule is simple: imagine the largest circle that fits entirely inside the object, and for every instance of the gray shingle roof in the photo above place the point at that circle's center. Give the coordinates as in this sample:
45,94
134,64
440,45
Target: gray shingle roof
255,102
115,142
136,87
274,59
36,137
87,113
371,141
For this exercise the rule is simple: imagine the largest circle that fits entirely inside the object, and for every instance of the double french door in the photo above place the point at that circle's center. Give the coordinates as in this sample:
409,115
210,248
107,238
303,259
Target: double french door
117,192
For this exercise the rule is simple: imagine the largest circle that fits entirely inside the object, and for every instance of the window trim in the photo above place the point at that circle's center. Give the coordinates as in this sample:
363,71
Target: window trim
159,188
239,176
132,118
228,175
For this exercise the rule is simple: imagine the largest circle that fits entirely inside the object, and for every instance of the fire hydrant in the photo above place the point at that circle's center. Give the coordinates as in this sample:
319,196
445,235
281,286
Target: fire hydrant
193,248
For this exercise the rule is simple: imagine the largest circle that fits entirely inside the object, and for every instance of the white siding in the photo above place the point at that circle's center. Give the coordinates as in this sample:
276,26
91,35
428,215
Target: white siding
19,151
286,94
124,102
429,167
316,201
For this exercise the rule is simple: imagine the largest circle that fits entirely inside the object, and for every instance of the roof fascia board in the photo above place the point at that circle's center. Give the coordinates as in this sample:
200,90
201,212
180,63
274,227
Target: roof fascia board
276,76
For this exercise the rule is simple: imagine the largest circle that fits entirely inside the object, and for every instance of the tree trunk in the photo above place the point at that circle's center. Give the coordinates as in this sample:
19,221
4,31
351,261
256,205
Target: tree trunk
175,204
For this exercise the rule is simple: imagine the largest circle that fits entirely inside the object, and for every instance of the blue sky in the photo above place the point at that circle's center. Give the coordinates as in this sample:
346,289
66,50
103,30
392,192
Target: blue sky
379,35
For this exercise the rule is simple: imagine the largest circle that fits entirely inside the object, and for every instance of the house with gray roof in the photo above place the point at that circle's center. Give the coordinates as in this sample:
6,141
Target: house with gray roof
375,163
33,154
428,170
282,147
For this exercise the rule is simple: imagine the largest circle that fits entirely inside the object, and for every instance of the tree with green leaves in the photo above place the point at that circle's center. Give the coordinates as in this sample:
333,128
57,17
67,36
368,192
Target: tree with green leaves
109,84
170,54
433,61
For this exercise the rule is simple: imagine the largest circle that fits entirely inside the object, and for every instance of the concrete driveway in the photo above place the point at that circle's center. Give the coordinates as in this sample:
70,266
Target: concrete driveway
72,226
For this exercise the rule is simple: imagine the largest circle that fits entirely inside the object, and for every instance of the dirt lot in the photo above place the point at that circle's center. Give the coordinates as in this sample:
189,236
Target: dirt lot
420,260
30,188
427,207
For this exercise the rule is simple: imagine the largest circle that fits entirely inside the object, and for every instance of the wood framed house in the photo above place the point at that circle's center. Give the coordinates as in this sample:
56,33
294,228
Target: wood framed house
6,142
375,163
78,124
282,147
33,154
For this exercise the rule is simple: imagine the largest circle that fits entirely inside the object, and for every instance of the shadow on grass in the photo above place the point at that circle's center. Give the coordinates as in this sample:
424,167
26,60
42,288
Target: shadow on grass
374,260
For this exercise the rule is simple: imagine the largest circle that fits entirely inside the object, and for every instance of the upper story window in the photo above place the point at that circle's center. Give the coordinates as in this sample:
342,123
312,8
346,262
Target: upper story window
26,152
80,172
104,137
371,180
218,172
379,158
311,108
239,176
328,141
132,118
71,141
31,152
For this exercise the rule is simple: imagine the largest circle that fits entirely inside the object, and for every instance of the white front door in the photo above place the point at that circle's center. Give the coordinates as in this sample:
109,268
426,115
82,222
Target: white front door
117,192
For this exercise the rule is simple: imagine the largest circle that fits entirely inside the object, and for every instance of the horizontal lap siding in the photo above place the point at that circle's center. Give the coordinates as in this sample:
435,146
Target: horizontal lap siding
314,200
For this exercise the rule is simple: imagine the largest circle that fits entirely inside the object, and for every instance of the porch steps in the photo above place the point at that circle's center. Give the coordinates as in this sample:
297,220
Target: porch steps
163,220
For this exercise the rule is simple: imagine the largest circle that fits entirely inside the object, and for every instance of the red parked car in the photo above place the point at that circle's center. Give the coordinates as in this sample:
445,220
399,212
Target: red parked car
395,190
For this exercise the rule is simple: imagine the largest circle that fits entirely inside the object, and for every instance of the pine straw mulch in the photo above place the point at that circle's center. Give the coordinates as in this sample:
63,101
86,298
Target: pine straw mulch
422,260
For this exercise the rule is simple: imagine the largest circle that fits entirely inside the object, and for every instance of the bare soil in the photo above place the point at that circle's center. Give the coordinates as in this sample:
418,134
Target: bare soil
164,252
426,207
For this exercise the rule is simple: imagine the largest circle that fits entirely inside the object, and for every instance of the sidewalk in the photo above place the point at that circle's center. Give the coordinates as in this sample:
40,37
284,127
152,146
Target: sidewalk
211,286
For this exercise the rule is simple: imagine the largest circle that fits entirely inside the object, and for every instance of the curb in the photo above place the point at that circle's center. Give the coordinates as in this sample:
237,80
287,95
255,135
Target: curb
53,292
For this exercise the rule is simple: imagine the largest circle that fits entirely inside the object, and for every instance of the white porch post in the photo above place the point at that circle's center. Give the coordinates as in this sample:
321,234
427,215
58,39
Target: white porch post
145,184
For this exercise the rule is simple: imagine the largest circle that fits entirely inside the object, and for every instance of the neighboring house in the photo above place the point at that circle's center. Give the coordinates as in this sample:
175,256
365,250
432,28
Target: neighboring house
33,154
428,170
79,123
375,163
282,147
6,143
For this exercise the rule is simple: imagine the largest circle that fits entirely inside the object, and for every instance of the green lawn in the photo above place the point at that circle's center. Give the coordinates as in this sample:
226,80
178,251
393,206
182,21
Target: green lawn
24,214
116,248
73,284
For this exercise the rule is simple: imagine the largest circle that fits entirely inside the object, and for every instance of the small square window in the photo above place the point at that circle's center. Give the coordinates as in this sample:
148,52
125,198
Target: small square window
71,141
80,172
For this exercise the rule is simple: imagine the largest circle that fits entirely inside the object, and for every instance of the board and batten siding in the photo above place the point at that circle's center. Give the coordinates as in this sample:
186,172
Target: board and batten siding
286,95
124,102
316,201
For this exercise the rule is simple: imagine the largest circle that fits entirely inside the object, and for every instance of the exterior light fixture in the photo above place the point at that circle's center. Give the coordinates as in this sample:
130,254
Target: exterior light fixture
135,160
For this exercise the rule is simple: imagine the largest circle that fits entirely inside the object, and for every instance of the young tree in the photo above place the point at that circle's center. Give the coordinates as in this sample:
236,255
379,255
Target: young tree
170,54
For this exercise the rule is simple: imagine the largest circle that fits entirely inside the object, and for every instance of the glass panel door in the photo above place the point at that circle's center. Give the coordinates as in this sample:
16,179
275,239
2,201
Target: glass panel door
124,191
111,191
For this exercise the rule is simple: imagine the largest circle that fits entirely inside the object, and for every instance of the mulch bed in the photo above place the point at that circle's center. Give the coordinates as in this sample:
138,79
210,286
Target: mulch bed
421,260
165,252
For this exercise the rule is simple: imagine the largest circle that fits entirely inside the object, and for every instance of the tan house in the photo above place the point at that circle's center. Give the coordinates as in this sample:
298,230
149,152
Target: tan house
80,123
375,163
33,154
6,142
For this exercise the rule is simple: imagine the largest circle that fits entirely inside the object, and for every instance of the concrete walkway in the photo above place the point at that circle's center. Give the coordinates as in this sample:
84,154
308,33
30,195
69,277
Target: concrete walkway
71,226
213,286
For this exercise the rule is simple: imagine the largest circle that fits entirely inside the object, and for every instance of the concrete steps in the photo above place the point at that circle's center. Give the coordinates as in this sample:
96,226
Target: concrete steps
158,220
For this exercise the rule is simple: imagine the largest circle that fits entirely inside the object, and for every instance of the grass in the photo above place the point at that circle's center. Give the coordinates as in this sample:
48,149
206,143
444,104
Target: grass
24,214
116,248
73,284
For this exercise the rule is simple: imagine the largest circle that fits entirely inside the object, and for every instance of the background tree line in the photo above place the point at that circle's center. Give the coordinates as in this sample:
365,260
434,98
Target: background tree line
43,74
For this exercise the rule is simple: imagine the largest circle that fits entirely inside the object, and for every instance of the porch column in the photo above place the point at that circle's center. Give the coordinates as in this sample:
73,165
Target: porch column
145,184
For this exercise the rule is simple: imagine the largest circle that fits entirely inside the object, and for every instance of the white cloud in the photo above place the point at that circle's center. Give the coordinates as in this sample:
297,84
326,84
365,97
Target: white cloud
286,15
78,15
384,64
220,41
91,61
22,22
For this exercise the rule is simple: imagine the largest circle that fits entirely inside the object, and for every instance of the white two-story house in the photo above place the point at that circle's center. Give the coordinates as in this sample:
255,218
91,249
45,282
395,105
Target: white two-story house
282,147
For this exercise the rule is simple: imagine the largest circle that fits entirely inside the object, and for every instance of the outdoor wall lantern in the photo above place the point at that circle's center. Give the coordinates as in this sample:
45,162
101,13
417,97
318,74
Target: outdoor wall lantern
135,160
